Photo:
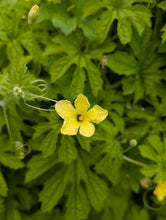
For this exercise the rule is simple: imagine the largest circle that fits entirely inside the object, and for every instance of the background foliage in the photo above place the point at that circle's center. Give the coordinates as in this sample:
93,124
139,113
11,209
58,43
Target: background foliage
65,177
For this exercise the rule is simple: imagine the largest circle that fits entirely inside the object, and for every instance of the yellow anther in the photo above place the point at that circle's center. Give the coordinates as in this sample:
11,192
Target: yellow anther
80,117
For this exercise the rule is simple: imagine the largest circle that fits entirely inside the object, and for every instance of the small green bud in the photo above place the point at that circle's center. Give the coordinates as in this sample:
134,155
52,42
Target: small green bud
33,13
133,143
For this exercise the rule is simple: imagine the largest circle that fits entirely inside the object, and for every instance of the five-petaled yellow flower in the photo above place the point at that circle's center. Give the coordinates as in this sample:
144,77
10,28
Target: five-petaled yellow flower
160,191
79,117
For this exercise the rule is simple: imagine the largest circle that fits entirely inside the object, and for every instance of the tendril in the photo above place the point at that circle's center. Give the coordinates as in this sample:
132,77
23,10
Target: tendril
42,109
146,198
22,150
42,84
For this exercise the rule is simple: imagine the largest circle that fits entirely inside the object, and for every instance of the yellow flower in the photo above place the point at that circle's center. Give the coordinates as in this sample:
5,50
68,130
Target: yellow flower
79,117
160,191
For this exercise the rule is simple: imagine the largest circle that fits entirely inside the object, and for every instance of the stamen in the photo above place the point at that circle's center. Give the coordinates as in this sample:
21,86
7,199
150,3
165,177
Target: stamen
79,117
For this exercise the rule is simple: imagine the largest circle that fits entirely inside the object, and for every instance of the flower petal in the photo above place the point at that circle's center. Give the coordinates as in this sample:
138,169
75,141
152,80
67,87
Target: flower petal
160,191
70,127
65,109
97,114
81,103
87,129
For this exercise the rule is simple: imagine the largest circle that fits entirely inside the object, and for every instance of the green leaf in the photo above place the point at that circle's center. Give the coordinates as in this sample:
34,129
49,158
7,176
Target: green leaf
136,213
49,143
162,5
163,36
60,66
77,204
78,81
124,31
79,199
117,196
148,63
3,186
101,131
110,164
54,189
14,52
6,157
12,211
84,142
2,121
124,12
74,50
64,22
49,132
95,186
67,151
11,161
118,121
95,79
105,24
155,151
39,165
2,208
133,85
148,152
122,63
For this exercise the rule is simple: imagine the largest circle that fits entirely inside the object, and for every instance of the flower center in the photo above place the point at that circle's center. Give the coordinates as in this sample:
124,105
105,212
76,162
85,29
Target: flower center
80,117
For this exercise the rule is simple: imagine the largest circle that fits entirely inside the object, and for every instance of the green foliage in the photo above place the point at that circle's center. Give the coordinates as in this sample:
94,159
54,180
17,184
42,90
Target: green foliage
76,50
125,12
112,51
155,150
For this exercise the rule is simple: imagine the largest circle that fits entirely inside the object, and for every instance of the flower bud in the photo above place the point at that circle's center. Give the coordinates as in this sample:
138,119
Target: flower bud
146,182
18,92
104,62
133,143
33,13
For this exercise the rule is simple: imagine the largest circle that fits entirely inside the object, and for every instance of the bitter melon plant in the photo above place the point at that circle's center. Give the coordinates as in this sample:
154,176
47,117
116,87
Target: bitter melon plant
82,109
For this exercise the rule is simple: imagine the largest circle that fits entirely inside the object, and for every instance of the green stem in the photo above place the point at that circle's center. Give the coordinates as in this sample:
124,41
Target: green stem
70,7
134,161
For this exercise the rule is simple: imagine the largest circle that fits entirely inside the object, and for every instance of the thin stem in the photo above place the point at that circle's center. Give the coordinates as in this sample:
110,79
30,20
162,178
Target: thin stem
43,109
134,161
125,150
70,7
42,97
